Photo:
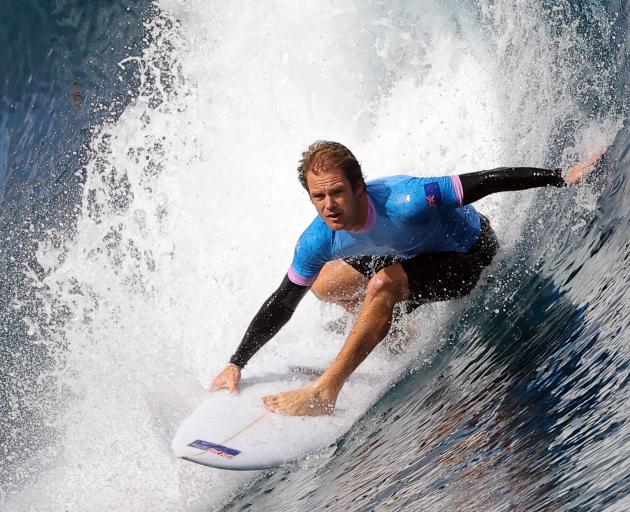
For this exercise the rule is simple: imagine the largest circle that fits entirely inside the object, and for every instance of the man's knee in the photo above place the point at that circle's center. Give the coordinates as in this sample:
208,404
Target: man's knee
390,282
338,281
321,290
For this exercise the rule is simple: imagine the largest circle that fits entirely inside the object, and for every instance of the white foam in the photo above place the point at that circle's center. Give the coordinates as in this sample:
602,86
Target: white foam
163,280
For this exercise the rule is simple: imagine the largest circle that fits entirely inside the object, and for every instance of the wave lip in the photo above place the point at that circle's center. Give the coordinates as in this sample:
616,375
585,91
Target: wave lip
516,394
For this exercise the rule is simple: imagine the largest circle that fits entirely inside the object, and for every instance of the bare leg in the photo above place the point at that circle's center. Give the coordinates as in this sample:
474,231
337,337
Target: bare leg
385,289
340,284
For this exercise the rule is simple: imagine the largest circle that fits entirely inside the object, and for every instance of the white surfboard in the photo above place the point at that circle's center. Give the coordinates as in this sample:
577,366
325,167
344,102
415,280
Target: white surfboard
237,432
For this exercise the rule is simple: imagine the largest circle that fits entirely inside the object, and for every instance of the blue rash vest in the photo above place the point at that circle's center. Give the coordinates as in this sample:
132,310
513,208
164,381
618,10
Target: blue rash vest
407,216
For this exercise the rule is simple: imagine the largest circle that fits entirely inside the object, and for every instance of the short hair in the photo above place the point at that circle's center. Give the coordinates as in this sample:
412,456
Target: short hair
323,155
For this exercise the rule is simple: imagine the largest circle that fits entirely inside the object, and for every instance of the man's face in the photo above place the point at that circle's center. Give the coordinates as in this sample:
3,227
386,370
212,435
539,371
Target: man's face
332,195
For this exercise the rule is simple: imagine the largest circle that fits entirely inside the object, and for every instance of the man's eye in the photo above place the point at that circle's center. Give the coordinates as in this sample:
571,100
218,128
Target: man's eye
318,196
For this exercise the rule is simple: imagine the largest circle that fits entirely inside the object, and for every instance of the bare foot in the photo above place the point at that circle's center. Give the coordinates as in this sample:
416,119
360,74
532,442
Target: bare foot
301,402
578,171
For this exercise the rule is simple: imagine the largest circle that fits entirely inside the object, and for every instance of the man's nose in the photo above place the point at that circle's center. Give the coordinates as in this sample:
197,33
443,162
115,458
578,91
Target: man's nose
329,202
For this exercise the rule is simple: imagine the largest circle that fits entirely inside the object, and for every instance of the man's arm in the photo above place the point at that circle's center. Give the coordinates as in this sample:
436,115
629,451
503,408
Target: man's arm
274,313
476,185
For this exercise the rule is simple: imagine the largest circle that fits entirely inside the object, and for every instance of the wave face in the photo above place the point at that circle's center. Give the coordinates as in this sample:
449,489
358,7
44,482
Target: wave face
150,205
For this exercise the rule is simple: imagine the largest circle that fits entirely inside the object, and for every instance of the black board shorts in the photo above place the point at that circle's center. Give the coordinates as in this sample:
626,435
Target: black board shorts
440,275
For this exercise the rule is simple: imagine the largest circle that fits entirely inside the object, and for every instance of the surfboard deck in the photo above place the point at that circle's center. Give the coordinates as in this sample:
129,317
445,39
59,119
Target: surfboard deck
238,433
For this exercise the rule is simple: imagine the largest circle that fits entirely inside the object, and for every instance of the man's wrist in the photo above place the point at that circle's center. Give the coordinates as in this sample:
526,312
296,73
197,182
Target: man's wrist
236,361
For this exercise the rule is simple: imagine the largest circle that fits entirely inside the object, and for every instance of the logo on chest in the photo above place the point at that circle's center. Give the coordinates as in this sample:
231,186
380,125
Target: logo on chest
433,194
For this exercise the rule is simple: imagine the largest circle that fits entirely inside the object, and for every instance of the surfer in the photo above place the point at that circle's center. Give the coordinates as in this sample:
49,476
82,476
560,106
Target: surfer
396,240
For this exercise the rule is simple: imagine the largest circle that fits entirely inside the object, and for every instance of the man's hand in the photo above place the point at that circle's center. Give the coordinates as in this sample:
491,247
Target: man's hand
577,172
228,378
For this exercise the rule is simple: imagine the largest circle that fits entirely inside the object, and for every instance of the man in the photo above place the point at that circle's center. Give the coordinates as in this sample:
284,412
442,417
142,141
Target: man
393,240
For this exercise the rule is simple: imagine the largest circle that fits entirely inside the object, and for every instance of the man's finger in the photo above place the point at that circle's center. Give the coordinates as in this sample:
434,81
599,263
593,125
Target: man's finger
232,388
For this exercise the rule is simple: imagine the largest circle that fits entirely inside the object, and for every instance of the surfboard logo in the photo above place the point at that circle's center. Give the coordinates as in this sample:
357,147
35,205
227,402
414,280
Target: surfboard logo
433,194
217,449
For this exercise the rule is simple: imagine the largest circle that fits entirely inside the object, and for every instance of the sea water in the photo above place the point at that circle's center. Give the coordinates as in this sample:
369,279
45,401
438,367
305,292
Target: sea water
164,207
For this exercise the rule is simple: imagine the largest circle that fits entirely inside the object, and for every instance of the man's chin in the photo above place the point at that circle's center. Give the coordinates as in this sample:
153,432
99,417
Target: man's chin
335,225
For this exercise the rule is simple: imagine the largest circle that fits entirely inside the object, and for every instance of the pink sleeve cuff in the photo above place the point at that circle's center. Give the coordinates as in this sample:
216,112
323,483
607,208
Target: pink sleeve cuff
296,278
459,190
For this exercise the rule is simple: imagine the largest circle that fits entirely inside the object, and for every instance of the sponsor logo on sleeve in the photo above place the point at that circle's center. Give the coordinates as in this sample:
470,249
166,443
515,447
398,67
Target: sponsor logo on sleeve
433,194
217,449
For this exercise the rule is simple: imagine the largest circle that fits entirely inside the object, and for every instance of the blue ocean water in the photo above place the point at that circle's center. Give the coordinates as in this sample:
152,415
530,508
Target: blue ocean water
60,80
130,134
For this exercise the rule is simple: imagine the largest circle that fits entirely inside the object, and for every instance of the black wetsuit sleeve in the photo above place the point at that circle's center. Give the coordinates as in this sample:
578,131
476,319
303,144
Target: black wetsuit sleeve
273,314
476,185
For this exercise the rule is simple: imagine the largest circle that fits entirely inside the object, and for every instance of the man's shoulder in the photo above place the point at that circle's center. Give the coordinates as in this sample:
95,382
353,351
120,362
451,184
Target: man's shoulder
390,187
397,182
381,189
316,235
313,249
414,193
389,180
403,179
